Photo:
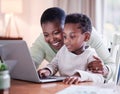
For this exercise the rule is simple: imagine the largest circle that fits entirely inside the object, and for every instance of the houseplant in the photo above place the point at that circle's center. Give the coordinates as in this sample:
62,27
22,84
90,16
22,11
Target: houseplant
4,77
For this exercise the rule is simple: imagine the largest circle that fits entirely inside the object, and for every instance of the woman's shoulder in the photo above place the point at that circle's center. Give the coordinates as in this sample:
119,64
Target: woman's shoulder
40,43
95,39
40,40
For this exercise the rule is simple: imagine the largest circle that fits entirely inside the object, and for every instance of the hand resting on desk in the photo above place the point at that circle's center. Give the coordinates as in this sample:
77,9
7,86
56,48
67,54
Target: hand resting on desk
75,79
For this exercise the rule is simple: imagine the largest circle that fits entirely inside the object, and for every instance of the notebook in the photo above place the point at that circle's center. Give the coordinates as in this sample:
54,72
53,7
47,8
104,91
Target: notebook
16,55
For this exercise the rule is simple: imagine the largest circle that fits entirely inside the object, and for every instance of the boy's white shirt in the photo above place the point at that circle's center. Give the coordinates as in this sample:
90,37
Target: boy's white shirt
68,64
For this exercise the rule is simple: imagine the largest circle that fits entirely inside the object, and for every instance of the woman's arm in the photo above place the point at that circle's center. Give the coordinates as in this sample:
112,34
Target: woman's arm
97,43
37,51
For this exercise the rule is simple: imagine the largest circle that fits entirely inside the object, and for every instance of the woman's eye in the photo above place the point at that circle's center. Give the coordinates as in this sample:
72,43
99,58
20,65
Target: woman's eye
45,35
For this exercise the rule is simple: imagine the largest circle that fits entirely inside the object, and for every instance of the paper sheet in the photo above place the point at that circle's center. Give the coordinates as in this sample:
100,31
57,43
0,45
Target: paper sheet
74,89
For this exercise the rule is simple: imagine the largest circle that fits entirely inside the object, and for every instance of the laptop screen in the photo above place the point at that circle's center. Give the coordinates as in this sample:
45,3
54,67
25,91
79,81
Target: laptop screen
17,56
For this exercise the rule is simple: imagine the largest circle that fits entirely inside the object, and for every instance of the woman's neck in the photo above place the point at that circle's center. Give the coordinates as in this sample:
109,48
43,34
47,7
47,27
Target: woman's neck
53,49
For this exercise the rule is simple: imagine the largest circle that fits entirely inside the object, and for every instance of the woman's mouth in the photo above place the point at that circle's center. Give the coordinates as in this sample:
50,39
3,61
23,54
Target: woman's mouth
57,45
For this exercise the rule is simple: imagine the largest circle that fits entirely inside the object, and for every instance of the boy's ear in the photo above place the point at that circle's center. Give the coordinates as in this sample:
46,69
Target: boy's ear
87,36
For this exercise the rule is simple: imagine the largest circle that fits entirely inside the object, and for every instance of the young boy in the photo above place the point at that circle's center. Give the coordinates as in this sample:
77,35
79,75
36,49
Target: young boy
72,59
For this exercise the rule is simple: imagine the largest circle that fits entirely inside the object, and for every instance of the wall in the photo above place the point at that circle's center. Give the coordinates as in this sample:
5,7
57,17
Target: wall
28,20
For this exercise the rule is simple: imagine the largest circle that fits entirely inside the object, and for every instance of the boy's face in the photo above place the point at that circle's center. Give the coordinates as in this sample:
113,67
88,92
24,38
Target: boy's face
74,39
53,34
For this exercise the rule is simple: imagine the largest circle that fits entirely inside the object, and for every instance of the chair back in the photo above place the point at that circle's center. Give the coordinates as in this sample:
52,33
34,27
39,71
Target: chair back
115,53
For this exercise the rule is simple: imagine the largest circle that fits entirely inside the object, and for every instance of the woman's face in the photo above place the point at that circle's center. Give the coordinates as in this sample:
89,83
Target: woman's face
53,34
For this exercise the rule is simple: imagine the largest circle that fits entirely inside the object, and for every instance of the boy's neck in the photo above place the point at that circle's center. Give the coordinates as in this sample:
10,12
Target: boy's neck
79,51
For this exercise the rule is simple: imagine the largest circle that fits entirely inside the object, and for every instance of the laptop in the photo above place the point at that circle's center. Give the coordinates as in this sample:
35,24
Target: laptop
16,55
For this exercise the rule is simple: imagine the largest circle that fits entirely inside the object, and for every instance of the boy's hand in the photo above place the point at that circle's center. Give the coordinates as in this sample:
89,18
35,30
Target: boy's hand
43,73
75,79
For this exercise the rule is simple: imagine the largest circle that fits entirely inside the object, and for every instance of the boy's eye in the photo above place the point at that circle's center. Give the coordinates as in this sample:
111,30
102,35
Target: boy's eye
64,36
72,36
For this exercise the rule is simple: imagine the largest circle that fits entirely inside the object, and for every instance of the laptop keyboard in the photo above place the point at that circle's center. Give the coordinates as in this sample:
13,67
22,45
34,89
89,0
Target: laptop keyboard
53,77
49,77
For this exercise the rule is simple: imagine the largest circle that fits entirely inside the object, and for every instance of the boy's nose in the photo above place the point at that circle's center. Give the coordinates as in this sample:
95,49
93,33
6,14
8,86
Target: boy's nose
66,41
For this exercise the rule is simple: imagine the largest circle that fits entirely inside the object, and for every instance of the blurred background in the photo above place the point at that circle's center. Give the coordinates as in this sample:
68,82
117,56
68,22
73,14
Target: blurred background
22,17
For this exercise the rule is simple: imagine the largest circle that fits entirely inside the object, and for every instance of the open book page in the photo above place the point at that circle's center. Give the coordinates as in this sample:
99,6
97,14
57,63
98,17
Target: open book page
74,89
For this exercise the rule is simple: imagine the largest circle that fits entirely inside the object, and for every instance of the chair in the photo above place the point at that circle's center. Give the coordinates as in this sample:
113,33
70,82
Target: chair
118,76
115,53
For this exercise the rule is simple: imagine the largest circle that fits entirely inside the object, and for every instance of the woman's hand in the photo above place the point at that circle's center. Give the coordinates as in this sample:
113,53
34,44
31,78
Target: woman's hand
75,79
97,67
43,73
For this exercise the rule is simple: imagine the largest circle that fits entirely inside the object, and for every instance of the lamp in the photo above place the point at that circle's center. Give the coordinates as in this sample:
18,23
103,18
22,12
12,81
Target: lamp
10,8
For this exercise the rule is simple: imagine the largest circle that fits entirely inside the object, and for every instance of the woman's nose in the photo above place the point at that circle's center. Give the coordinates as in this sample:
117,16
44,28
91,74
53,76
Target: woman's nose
51,38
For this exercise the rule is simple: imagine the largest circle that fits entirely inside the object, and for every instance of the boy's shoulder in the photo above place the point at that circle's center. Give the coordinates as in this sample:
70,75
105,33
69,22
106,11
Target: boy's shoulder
62,50
90,49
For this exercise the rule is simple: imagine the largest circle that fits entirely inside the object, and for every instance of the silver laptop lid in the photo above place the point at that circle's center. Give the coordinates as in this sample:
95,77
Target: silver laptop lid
17,51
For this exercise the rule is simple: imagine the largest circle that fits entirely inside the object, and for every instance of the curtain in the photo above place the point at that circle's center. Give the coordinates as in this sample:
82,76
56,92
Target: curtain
80,6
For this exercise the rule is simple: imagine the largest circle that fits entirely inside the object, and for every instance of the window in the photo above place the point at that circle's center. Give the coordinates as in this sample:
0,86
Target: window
111,18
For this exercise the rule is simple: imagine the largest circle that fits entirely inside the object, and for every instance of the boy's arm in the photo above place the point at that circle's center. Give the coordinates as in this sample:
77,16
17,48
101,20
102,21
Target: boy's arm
53,65
88,76
43,73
